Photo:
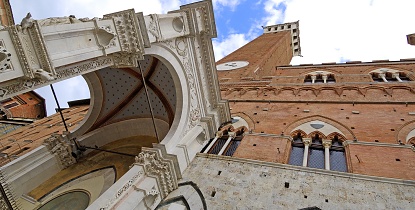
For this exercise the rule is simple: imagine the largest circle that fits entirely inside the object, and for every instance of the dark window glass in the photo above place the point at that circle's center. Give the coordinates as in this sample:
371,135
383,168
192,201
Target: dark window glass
8,106
218,146
338,161
296,157
232,148
316,158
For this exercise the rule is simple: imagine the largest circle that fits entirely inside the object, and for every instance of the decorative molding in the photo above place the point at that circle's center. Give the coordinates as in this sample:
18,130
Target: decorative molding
123,189
154,27
129,33
21,85
159,166
60,146
184,55
19,50
7,198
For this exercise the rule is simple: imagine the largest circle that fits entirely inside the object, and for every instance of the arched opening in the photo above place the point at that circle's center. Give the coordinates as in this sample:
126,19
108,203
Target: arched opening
75,200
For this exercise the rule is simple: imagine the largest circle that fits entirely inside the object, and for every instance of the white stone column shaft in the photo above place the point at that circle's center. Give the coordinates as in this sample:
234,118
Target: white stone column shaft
396,75
383,77
307,143
324,78
211,145
313,78
231,135
327,145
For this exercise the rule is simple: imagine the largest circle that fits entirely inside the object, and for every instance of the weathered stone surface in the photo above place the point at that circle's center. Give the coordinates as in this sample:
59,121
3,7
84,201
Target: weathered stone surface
246,184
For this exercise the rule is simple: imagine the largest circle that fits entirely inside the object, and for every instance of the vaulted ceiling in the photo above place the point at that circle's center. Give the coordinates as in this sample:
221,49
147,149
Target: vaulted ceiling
124,93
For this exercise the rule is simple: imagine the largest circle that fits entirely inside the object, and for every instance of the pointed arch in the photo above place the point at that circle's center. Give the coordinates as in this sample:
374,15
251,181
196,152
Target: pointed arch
344,130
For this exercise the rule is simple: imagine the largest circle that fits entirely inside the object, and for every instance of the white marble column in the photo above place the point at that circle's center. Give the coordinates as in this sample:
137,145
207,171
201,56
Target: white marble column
313,78
306,142
396,75
327,145
218,135
231,136
383,77
324,78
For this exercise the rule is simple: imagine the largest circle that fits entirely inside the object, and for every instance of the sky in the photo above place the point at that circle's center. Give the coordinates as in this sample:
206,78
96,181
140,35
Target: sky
330,30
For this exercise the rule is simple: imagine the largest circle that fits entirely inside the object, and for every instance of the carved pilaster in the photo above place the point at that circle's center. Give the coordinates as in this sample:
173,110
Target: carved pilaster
130,38
60,146
161,166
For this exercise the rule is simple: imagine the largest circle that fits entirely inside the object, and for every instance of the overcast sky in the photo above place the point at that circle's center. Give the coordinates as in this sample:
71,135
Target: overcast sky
330,30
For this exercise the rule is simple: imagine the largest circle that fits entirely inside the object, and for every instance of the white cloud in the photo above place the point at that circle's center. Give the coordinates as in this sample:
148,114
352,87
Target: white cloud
228,45
354,29
232,4
274,14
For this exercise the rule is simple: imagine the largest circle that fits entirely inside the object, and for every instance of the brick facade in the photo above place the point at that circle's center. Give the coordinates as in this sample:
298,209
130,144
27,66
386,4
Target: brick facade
280,98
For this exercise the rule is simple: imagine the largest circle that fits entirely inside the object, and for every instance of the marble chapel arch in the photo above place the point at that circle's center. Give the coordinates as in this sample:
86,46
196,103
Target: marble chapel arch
128,60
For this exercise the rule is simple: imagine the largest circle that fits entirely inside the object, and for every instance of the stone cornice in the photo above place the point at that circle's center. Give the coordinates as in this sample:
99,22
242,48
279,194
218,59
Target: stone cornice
350,63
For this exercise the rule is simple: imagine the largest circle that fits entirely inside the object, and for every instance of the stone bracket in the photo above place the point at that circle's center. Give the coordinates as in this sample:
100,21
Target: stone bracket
161,166
60,146
130,36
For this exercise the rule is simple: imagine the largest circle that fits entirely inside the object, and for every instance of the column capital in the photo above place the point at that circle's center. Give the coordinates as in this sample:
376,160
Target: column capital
219,134
232,134
327,143
307,141
161,166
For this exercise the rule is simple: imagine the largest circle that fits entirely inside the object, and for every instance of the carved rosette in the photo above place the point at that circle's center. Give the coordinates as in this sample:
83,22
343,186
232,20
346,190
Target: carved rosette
60,146
159,166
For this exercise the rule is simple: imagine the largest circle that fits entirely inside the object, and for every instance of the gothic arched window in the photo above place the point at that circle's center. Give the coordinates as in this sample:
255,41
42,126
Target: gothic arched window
311,152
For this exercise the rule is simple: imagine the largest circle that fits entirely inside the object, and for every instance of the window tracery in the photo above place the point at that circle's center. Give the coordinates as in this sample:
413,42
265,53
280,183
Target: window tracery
319,77
389,75
318,151
226,141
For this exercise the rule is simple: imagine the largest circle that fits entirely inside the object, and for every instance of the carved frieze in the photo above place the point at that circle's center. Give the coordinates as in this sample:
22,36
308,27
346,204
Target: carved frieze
22,85
122,191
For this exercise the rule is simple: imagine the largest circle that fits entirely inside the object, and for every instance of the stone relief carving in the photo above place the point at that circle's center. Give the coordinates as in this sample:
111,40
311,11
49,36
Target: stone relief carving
154,28
122,191
5,57
156,166
60,146
128,31
63,72
43,75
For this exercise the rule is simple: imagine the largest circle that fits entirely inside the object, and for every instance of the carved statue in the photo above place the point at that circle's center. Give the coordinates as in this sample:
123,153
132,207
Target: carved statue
27,22
44,75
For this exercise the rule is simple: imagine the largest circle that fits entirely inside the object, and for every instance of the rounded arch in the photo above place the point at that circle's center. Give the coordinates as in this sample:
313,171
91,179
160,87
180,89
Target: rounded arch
298,133
318,134
346,132
249,121
339,136
406,133
123,128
